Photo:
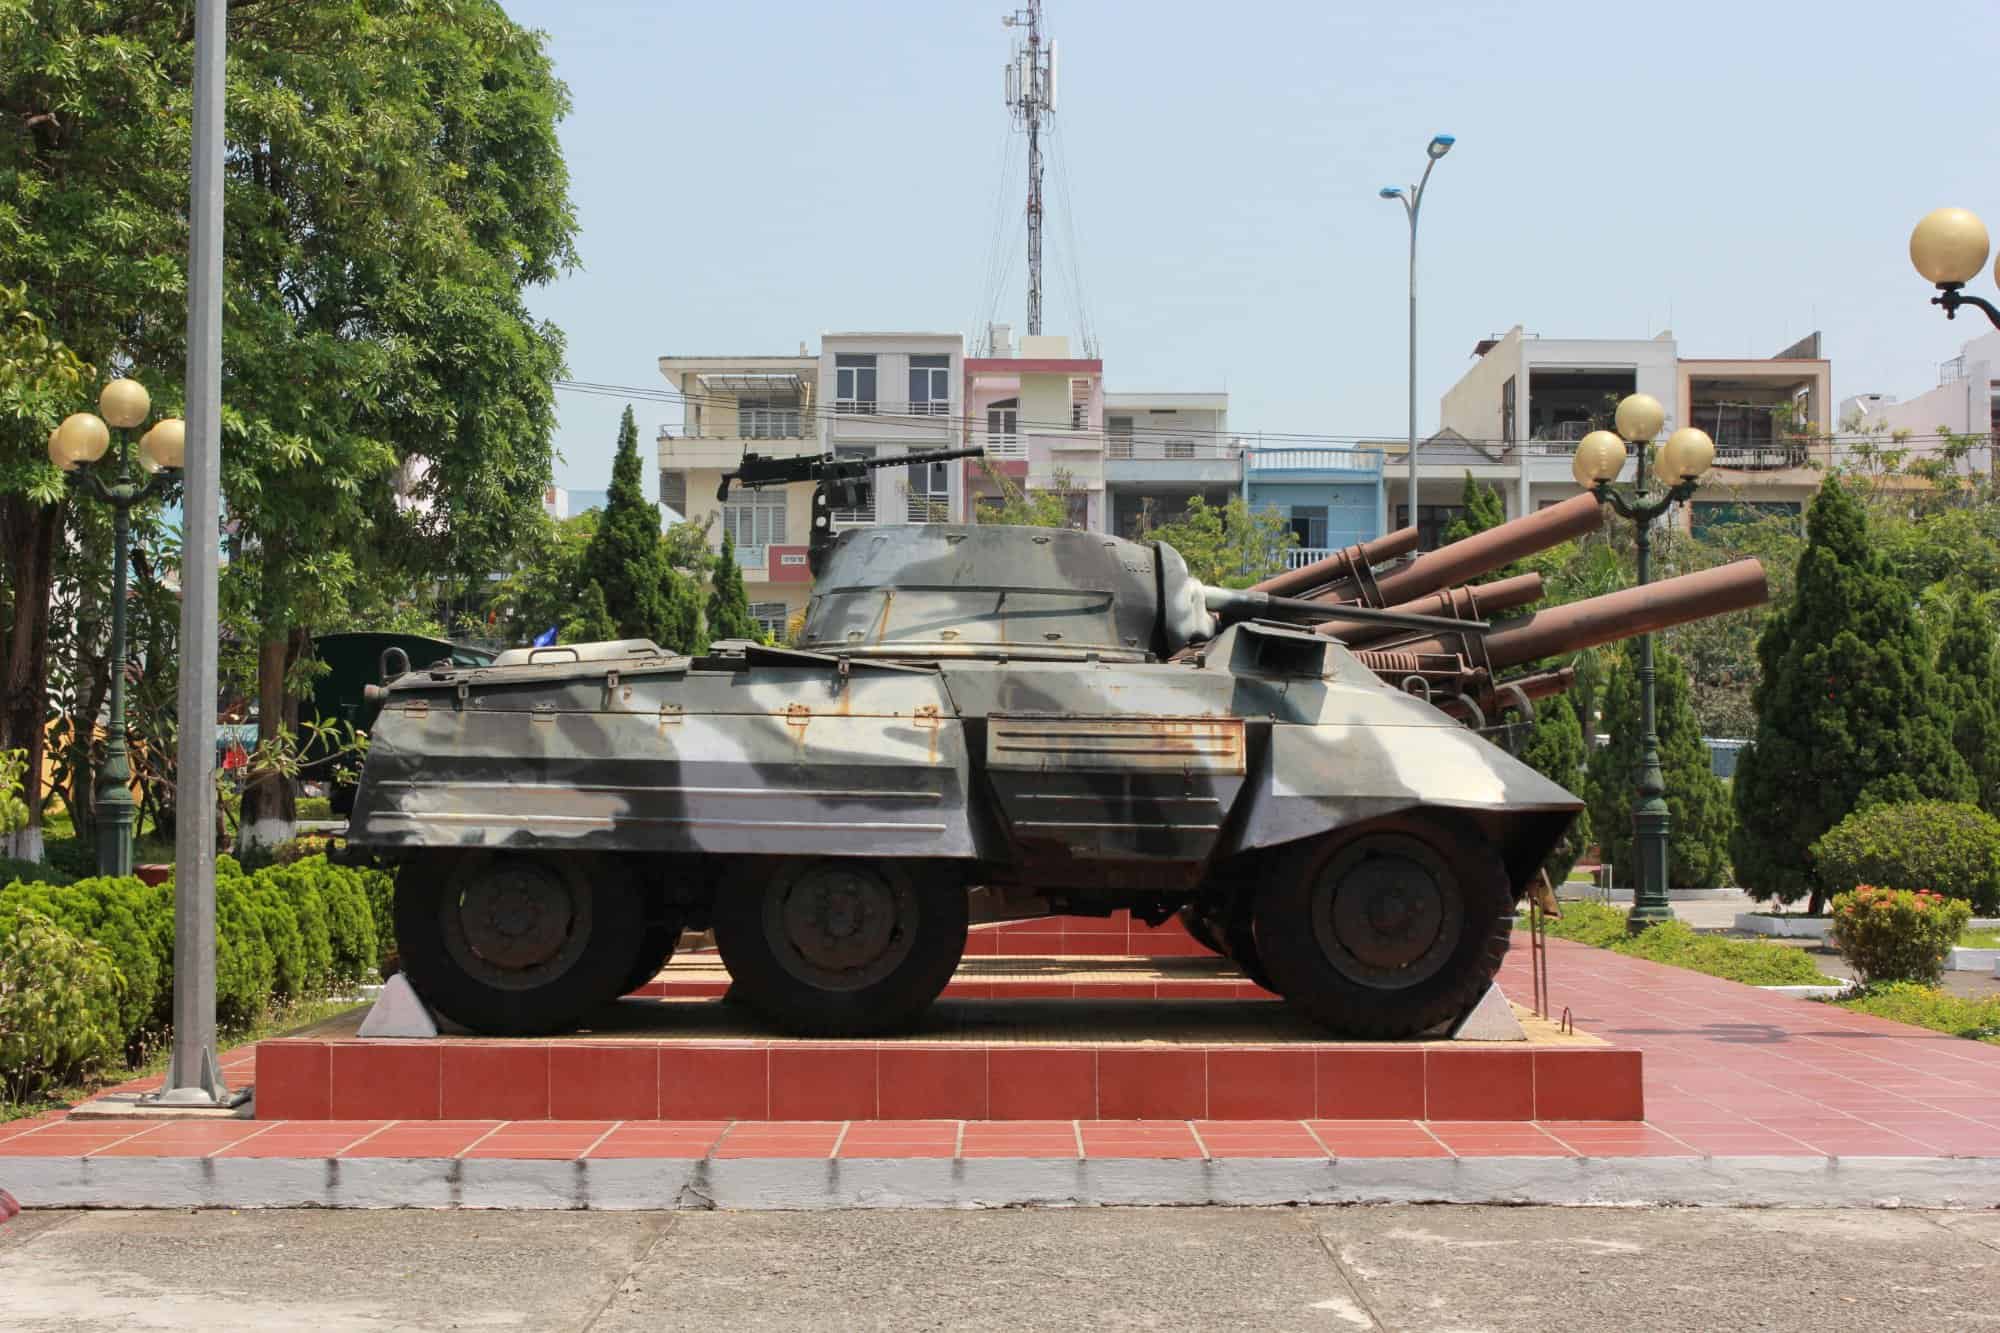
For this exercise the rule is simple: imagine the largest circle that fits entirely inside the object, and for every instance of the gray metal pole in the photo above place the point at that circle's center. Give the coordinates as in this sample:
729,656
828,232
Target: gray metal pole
1415,204
194,1076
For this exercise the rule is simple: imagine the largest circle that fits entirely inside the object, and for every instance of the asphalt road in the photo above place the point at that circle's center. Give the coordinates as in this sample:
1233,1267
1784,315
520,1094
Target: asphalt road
1428,1268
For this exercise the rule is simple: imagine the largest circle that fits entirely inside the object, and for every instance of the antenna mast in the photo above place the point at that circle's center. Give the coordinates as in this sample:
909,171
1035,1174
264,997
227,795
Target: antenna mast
1031,97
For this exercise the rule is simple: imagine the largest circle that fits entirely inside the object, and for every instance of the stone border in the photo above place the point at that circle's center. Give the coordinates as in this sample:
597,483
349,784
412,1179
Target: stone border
1815,927
1974,960
816,1183
1840,992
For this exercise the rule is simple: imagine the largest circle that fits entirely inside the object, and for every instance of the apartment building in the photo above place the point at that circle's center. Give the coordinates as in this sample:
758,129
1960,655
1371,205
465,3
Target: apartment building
1039,414
1163,449
1331,495
1514,419
1965,401
732,405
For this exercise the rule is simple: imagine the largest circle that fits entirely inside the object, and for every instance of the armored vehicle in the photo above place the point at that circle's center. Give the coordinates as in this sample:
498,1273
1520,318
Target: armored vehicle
1031,720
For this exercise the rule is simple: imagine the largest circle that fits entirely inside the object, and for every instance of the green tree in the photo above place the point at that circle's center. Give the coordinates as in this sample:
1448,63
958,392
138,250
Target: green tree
1555,748
1232,546
1849,711
624,557
1697,802
1483,509
680,627
592,622
728,603
1022,508
545,572
394,186
1970,675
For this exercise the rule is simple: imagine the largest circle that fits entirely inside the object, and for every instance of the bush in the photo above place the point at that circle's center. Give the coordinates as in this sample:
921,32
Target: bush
351,925
13,869
1905,1002
1897,934
313,807
309,970
244,966
1752,962
1589,923
1945,847
380,886
59,1004
112,913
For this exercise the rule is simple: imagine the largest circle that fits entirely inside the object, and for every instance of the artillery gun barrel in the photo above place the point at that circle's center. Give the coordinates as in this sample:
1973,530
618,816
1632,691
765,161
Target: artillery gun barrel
1496,697
1473,602
1615,615
1340,567
1484,552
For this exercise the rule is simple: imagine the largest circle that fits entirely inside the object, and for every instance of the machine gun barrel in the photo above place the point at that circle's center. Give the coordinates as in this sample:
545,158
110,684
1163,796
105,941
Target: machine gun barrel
757,471
1233,604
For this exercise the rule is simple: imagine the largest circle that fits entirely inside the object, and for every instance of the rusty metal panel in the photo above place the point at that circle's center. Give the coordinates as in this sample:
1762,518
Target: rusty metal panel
1116,744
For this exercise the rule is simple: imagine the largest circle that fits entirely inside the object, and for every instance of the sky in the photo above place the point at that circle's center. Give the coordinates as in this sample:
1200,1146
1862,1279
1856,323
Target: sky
747,177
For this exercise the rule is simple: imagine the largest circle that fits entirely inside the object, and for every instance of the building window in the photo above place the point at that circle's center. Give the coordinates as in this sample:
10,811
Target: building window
864,513
1432,520
1308,524
1003,420
674,490
930,386
1507,411
774,418
773,617
1079,404
1118,437
854,383
1180,448
930,493
754,523
1077,505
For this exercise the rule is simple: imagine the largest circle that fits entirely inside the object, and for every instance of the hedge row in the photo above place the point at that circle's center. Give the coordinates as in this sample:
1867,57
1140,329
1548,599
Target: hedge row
286,932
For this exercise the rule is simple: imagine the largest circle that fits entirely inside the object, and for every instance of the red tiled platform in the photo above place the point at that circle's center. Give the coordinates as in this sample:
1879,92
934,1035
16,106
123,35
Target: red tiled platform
1116,935
1003,1060
1015,976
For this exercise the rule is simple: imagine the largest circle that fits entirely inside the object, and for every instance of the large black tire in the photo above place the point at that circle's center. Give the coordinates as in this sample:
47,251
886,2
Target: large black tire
839,947
1201,927
1388,931
656,948
514,943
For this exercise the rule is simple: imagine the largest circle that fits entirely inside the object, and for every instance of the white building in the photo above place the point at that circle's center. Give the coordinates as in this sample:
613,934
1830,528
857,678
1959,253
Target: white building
1514,418
1965,401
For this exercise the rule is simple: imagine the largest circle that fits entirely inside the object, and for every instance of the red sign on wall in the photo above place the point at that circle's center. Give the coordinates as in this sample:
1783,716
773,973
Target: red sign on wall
787,564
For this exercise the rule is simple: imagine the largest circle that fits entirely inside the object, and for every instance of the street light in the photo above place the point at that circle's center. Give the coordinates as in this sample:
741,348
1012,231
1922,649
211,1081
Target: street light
1413,201
1949,248
1682,461
76,446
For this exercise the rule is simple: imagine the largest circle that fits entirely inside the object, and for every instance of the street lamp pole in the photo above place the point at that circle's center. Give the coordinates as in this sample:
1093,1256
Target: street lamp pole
1413,201
84,438
1683,460
1949,248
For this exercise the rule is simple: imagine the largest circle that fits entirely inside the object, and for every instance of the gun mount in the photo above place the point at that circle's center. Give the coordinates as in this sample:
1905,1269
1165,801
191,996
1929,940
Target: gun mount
839,483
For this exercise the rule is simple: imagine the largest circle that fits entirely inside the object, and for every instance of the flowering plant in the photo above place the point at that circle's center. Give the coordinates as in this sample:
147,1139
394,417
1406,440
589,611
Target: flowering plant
1897,934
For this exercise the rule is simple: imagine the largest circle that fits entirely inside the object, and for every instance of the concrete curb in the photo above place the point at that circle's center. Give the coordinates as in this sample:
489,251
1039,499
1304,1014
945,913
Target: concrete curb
818,1183
1974,960
1840,992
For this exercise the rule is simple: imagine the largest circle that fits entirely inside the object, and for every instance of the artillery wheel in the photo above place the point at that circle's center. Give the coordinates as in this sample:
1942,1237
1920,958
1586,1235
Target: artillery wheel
513,943
1388,932
1227,931
837,947
1198,924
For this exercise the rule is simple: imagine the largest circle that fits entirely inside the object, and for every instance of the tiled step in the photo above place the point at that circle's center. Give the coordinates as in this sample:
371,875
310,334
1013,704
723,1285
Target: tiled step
1110,977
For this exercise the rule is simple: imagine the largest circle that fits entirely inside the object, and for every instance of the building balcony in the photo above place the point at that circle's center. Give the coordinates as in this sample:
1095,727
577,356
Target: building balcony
1760,455
704,449
1313,463
1173,461
920,425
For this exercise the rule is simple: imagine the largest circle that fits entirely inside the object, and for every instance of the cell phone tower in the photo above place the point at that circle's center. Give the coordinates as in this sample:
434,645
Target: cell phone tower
1031,97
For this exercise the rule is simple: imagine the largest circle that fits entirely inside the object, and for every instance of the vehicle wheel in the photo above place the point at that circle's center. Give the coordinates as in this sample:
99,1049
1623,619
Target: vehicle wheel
1239,942
839,947
656,948
1389,932
1202,927
512,943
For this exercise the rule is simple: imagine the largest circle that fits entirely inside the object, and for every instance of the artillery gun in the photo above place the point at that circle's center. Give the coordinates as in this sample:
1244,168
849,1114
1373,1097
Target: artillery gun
1042,720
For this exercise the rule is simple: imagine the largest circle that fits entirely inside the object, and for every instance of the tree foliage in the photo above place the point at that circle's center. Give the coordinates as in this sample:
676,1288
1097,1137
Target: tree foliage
1023,508
1556,749
624,557
1970,675
1484,508
728,603
1697,802
1849,710
592,622
1231,546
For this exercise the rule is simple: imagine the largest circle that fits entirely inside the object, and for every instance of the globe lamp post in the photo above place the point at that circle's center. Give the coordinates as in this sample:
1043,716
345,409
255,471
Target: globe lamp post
1949,248
1682,462
1412,199
78,447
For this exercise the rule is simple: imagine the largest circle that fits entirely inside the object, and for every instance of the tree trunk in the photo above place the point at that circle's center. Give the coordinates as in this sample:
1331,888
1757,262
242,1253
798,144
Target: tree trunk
269,812
28,532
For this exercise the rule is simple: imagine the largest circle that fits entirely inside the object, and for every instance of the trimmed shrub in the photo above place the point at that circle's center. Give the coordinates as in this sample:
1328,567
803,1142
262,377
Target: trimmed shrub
13,870
1897,934
59,1004
312,967
350,925
1589,923
1752,962
279,921
380,886
1940,1011
1945,847
112,913
244,967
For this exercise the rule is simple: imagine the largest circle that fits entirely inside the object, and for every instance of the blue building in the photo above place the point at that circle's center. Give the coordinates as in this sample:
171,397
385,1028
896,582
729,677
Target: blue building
1331,495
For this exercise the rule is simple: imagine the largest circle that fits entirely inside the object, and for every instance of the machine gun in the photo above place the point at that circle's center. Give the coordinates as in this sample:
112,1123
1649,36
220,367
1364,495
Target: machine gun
838,483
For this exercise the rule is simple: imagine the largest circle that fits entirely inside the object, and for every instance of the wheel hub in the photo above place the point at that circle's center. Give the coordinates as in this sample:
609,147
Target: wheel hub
841,926
518,917
1389,913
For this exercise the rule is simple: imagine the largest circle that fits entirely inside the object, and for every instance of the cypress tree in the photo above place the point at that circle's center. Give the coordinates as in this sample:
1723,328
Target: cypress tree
680,627
1849,710
728,603
1697,802
1483,509
1556,750
624,555
592,623
1971,679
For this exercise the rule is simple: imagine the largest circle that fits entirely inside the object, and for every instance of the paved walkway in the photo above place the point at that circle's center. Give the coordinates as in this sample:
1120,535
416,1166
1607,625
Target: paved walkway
1750,1097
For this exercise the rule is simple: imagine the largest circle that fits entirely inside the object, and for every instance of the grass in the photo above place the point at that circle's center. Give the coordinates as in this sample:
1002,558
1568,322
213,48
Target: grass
277,1023
1979,939
1674,943
1940,1011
